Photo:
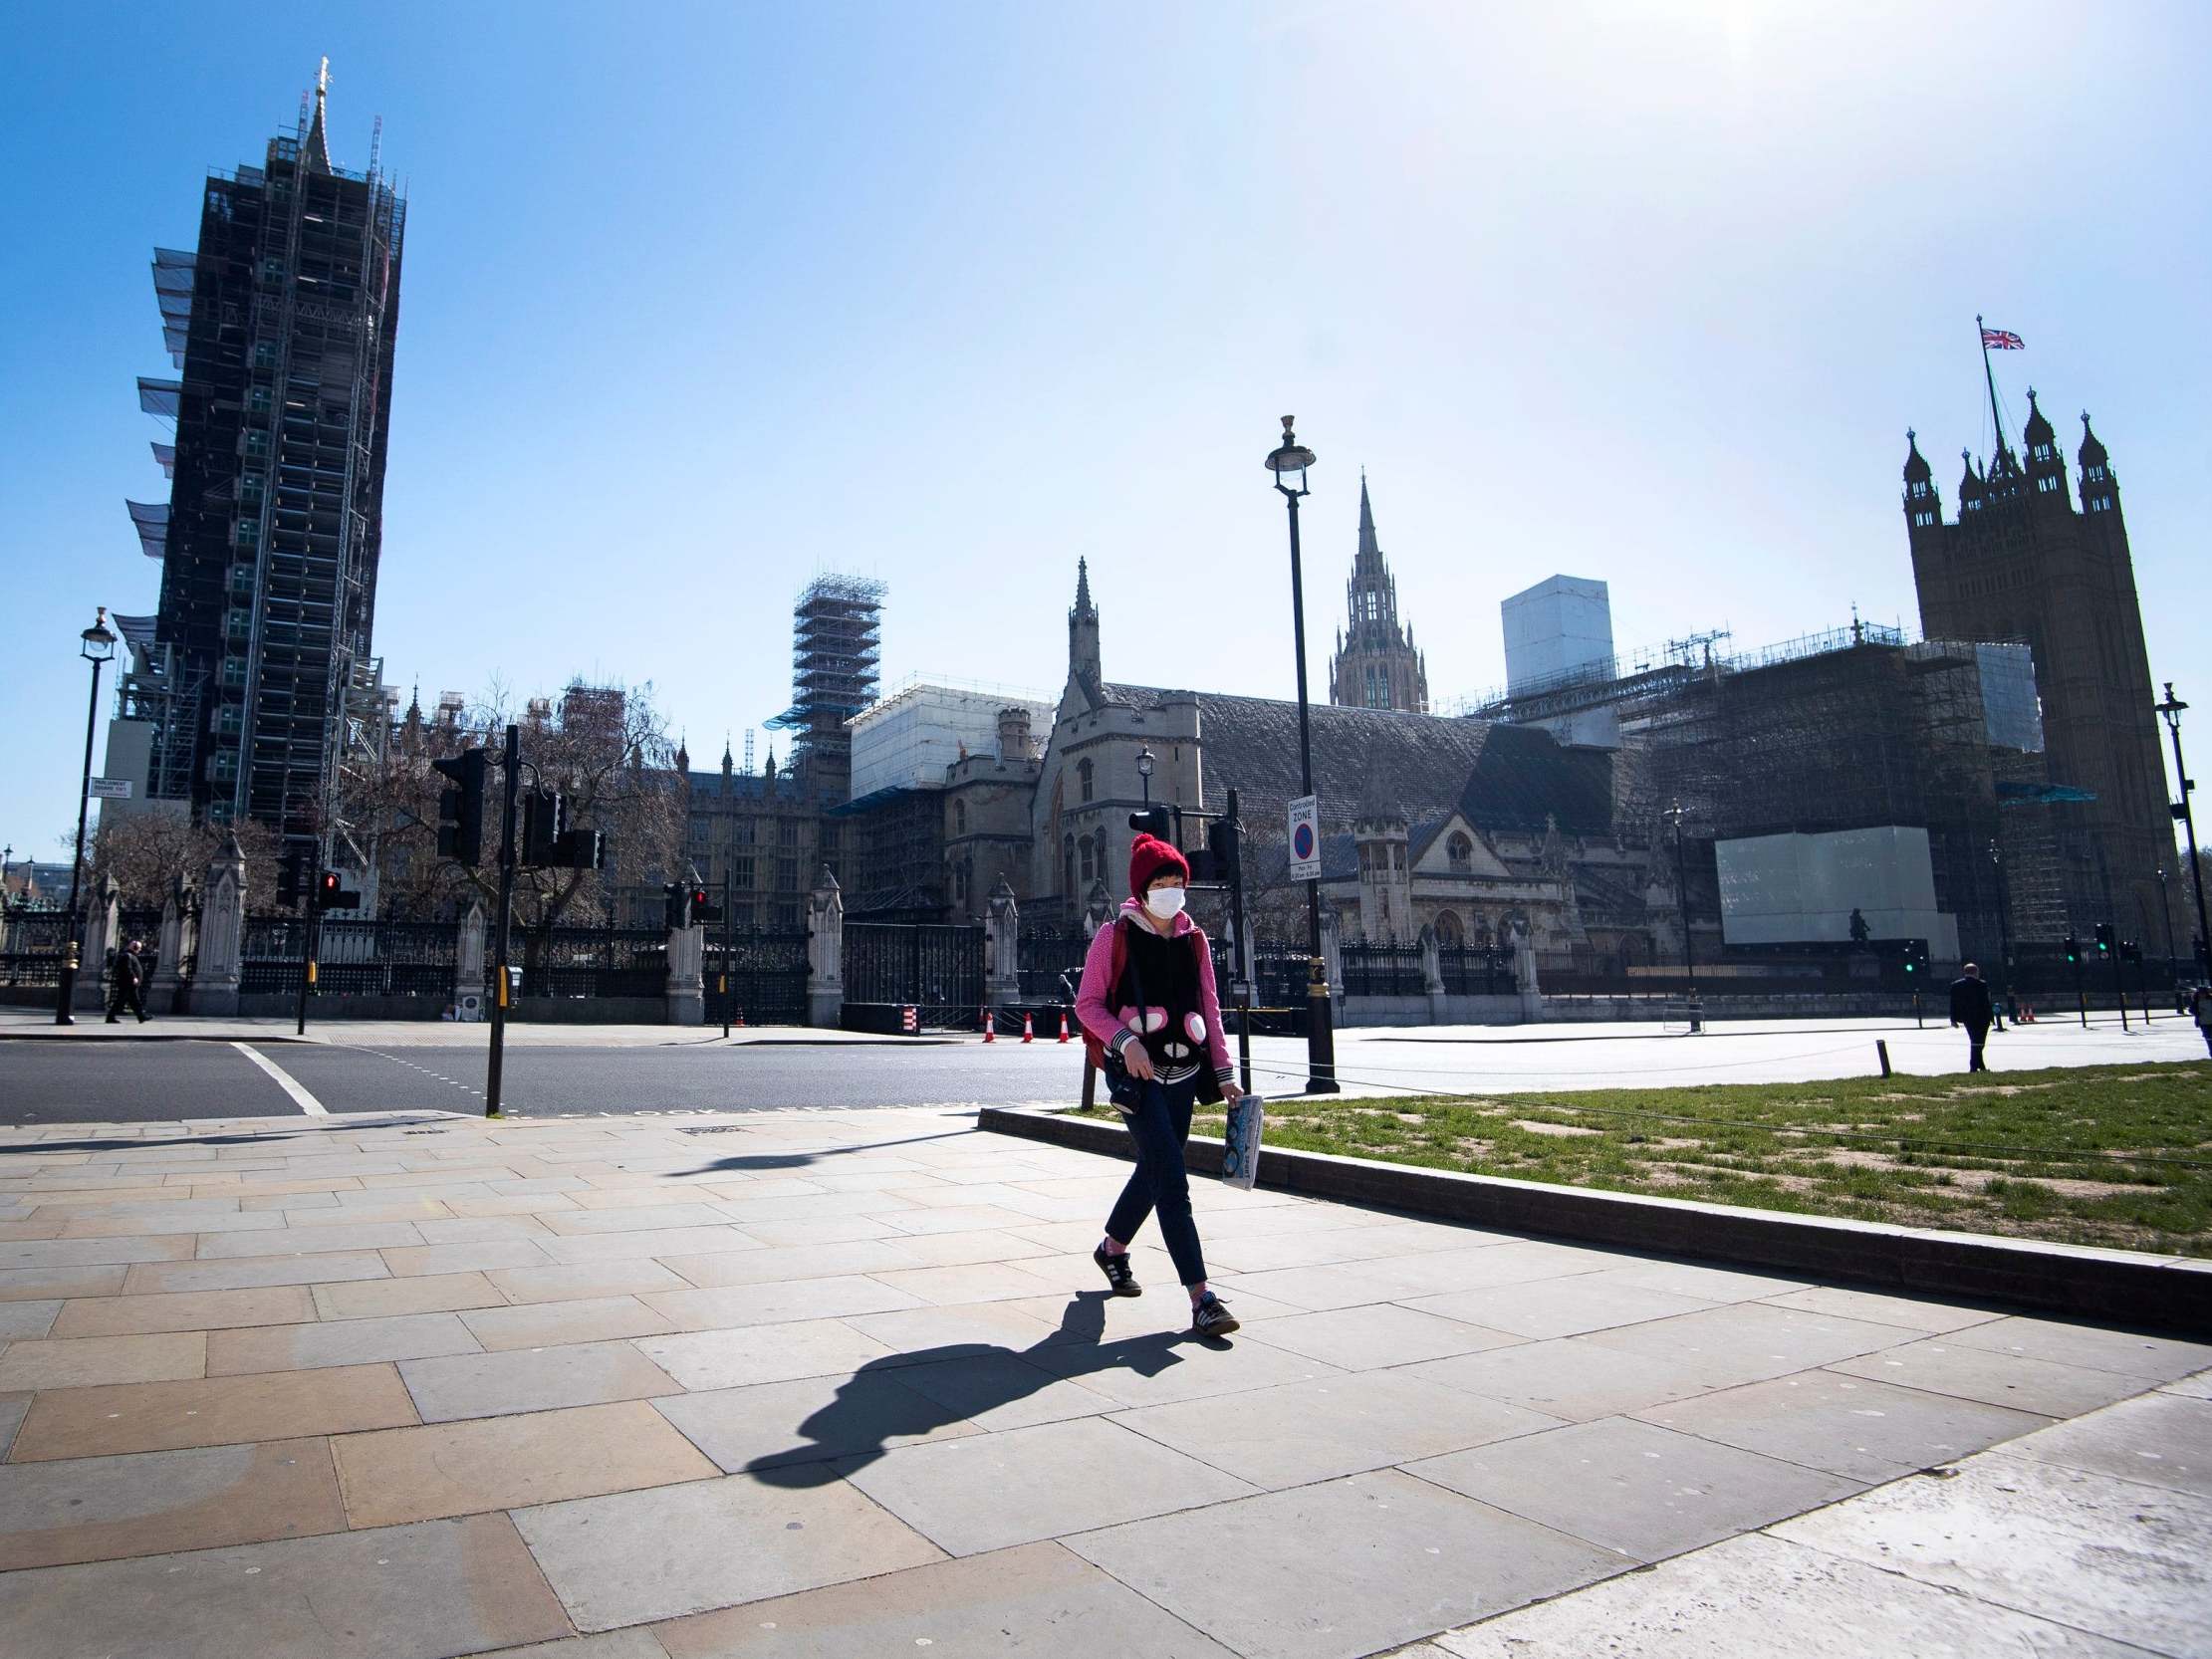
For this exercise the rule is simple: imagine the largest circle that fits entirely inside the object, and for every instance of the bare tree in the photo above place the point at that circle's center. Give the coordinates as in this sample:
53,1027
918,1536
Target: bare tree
146,851
605,749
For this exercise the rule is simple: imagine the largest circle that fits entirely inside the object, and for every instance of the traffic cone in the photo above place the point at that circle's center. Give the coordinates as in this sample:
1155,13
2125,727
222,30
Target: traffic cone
1063,1026
1029,1028
990,1028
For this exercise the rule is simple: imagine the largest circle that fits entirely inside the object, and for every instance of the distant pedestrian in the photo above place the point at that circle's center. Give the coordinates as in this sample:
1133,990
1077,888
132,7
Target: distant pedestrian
1149,1000
1971,1008
127,982
2201,1006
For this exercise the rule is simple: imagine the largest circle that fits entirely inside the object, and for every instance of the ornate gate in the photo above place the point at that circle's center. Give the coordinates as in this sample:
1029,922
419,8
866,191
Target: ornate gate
935,969
762,979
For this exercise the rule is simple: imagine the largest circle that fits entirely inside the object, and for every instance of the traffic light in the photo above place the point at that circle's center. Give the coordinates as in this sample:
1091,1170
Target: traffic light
2103,940
1916,955
332,893
1223,857
292,878
580,849
1154,820
2130,951
2072,949
676,906
544,815
461,808
703,907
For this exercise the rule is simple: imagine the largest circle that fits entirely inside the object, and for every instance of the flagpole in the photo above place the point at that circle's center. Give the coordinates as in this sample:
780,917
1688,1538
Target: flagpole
1996,422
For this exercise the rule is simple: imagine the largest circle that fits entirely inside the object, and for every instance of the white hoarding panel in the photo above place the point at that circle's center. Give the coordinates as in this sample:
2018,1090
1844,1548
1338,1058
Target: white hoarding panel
1802,889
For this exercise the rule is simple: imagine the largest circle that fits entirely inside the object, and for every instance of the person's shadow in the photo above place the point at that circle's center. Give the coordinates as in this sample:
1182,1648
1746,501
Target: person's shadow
907,1395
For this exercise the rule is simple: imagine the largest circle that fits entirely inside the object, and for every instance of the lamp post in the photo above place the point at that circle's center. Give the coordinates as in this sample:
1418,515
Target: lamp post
2004,931
1144,763
1682,893
99,648
1320,1037
2165,909
2171,710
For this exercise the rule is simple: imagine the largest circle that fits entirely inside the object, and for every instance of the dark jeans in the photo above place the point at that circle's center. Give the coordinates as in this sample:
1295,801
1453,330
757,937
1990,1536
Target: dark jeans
1162,1123
1976,1036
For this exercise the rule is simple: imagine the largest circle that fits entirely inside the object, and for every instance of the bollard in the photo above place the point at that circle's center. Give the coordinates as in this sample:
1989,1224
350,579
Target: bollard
1881,1049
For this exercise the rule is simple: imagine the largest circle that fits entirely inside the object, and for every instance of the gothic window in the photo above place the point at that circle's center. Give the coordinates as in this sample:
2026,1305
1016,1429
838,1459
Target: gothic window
1068,864
1087,775
959,817
960,883
1450,931
1089,860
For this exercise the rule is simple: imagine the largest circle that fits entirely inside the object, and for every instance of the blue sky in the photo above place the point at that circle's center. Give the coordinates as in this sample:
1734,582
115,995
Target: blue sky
700,300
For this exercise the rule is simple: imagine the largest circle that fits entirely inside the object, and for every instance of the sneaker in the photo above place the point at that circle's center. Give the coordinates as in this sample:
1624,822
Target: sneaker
1119,1273
1212,1318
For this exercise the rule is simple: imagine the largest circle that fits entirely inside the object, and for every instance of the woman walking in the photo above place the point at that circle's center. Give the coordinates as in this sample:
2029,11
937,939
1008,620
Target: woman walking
1149,998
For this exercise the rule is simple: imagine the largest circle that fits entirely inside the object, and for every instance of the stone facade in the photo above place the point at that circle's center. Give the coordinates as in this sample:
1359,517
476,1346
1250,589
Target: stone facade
2022,561
1468,827
768,830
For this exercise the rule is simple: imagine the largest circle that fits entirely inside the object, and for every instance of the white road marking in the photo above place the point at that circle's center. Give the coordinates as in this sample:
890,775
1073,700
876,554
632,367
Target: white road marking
300,1096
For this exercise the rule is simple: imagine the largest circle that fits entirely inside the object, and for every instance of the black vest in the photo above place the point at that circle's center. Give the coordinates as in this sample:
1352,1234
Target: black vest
1169,971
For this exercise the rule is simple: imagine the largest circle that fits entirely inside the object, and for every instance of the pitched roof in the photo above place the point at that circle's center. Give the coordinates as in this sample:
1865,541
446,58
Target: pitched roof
1501,776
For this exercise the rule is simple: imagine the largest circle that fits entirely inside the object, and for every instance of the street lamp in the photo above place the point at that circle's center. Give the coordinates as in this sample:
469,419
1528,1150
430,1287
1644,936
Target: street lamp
1144,763
99,648
2004,929
2165,909
1320,1037
1682,892
2171,709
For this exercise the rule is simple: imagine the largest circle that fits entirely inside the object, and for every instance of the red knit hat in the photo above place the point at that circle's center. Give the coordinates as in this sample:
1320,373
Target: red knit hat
1149,858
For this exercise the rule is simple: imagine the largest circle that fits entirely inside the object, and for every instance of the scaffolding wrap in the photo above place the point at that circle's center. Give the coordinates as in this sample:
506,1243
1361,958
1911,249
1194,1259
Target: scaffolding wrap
160,397
172,291
165,456
151,521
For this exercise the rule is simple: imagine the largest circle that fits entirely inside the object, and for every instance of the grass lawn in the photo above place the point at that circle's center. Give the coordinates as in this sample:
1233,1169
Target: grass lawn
2118,1155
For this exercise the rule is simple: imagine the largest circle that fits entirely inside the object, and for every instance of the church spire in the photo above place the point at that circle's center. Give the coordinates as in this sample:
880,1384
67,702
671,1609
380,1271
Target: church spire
315,150
1375,666
1085,667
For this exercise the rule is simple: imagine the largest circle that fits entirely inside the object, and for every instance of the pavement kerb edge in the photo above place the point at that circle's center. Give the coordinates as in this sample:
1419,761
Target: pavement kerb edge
2105,1286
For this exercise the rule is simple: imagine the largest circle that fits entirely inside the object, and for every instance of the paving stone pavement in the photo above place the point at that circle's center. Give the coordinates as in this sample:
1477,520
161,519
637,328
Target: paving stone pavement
843,1384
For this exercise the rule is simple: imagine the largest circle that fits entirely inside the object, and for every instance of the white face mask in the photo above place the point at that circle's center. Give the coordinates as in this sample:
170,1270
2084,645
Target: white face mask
1165,902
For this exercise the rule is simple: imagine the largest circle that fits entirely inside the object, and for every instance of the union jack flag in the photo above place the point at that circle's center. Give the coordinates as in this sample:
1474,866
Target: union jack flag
2001,340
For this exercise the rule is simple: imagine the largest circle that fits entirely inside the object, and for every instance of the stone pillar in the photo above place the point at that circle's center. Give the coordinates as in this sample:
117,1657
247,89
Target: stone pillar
468,958
167,995
101,922
686,989
1002,934
1097,908
825,953
1432,974
1333,957
1524,972
216,972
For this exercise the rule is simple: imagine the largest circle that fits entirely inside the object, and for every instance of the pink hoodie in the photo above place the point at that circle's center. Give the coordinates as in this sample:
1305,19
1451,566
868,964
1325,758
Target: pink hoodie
1115,1028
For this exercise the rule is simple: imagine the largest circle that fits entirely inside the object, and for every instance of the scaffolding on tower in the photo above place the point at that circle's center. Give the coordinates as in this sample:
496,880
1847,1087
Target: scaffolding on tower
835,645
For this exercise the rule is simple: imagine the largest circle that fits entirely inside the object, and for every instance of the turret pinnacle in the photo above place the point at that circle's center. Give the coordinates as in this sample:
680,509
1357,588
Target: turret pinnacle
1368,544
